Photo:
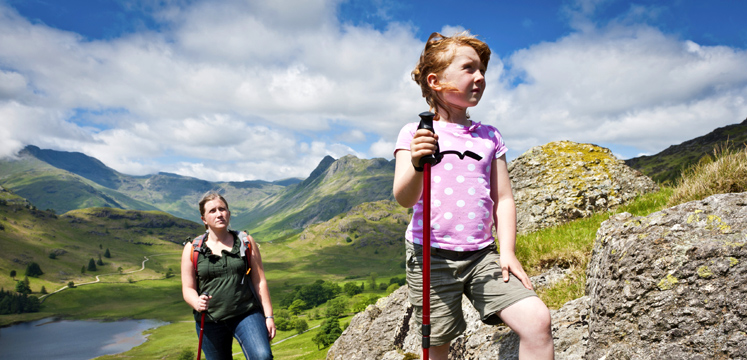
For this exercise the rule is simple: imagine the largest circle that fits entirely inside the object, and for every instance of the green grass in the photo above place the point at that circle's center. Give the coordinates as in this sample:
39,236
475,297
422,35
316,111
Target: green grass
569,246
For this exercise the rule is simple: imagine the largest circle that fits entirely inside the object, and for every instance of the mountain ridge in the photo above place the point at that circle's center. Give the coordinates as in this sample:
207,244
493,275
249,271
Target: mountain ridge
667,165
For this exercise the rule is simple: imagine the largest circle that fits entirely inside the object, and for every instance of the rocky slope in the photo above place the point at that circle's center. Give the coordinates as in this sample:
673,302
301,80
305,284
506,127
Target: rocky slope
671,285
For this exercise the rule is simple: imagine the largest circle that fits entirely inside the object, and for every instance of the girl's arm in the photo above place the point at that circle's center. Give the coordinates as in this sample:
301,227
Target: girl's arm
504,216
408,183
189,282
260,284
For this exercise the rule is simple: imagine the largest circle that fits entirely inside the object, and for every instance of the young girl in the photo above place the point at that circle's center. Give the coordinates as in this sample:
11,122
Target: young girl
468,198
232,308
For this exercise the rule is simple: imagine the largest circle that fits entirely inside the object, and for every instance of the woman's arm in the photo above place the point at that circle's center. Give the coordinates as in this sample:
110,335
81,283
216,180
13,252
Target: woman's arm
504,216
189,282
260,285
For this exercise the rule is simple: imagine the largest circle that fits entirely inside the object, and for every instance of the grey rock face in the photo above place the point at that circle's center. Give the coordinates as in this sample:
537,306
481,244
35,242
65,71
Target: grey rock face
671,285
388,331
562,181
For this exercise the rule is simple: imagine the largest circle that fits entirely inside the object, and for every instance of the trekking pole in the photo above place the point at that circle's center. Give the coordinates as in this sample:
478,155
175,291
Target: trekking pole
426,122
202,327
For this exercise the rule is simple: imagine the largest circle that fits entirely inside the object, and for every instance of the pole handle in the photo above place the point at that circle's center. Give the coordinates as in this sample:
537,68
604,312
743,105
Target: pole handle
426,122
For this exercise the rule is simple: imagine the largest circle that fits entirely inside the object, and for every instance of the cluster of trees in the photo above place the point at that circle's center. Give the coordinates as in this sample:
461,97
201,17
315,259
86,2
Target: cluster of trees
328,333
305,297
284,321
17,303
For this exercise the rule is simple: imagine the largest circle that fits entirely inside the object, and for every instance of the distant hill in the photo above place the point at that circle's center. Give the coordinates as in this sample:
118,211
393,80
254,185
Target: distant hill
64,181
28,234
668,164
334,187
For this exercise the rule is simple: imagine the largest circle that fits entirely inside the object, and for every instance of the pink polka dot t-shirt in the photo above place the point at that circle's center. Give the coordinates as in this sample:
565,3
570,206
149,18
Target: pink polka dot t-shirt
461,207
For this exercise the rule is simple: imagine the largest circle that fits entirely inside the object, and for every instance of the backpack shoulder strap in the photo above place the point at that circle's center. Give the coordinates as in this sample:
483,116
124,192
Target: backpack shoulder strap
246,249
197,248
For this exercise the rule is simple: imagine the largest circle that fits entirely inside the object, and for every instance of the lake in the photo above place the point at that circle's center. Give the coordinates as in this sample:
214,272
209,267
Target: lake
71,340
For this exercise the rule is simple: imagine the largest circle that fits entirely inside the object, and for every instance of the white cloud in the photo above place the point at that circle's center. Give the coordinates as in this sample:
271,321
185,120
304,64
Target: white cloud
240,90
629,85
382,148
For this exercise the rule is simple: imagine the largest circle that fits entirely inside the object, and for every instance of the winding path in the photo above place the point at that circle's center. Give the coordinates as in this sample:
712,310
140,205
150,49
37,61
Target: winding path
43,297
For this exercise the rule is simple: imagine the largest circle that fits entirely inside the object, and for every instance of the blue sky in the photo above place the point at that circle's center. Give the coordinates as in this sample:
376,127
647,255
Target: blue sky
244,90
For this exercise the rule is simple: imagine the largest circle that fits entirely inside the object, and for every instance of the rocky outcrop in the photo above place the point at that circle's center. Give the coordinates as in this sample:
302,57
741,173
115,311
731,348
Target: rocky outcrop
387,331
562,181
671,285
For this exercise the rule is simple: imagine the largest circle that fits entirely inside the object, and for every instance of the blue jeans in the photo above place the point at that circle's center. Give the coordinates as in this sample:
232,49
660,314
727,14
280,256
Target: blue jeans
250,331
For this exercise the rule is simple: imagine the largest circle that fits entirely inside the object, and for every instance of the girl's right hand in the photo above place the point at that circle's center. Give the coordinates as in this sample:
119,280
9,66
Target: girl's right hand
202,302
424,143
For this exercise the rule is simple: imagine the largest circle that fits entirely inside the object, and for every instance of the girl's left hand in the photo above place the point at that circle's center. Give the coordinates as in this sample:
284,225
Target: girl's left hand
510,264
270,327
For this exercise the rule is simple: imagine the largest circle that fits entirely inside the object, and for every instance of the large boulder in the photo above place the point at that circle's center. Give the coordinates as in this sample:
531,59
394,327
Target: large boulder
671,285
562,181
387,331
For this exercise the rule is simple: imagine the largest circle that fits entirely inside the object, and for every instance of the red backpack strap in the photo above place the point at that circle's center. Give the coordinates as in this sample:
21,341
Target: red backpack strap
196,248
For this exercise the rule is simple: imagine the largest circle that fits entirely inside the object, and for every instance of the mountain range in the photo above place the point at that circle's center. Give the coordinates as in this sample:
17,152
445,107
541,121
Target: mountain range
65,181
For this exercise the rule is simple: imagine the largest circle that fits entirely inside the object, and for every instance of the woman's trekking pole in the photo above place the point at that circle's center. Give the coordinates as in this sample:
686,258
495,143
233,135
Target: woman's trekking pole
202,327
426,122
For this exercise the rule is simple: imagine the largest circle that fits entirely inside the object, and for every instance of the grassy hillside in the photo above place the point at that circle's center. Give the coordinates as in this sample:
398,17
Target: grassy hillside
667,166
48,187
31,235
333,188
369,238
64,181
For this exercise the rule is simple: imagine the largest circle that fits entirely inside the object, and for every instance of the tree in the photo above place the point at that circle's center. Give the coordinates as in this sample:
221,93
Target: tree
33,270
43,290
328,333
107,254
282,324
91,265
23,288
100,262
300,326
336,307
71,284
351,289
13,274
297,306
82,269
372,280
53,255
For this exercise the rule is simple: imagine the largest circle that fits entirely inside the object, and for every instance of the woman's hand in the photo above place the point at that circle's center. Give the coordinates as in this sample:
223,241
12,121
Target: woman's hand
202,302
270,322
510,264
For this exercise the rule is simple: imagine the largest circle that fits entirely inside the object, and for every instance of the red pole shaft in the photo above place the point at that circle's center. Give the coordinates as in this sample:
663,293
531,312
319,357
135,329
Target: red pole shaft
426,259
202,326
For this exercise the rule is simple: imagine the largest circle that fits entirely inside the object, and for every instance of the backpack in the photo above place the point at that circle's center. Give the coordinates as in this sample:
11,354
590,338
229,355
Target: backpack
245,250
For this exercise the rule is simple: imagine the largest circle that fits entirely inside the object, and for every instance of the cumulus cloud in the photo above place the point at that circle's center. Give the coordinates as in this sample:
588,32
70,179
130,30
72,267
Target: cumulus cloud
236,90
624,85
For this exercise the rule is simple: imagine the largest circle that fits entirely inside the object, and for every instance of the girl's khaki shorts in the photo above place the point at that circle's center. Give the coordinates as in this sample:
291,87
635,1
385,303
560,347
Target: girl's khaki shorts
476,274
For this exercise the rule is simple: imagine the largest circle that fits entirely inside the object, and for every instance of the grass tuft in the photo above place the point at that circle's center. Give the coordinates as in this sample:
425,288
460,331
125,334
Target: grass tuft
725,172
